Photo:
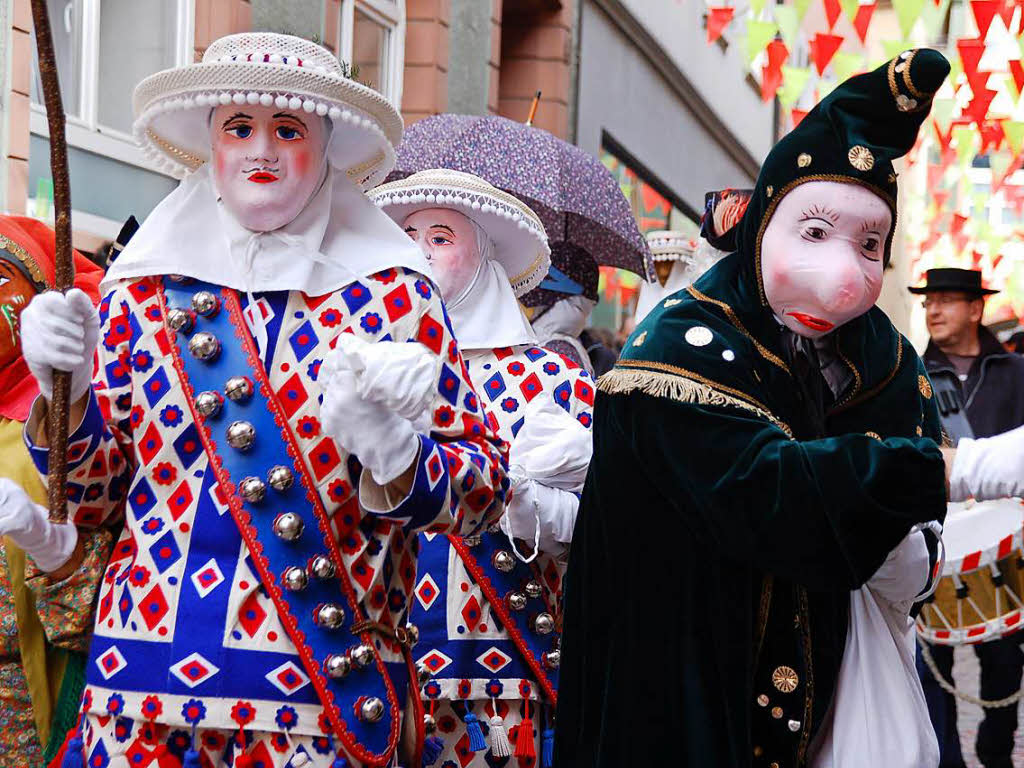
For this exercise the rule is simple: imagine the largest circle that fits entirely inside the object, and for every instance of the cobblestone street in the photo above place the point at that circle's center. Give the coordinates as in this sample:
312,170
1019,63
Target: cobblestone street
965,673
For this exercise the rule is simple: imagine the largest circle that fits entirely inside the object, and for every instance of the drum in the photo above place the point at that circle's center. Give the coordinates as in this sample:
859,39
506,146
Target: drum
980,595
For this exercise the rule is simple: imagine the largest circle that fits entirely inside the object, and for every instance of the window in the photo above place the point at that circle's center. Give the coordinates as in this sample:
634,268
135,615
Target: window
103,49
371,38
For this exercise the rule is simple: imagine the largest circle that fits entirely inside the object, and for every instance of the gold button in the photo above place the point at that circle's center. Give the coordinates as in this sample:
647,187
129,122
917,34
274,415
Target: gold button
777,713
758,751
785,679
774,765
762,700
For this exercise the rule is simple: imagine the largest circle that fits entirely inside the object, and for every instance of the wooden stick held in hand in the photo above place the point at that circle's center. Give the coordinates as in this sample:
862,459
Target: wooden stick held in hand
57,420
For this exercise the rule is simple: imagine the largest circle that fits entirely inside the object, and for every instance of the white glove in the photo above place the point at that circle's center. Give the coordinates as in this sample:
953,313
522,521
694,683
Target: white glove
400,376
988,468
60,331
905,573
540,514
27,524
383,441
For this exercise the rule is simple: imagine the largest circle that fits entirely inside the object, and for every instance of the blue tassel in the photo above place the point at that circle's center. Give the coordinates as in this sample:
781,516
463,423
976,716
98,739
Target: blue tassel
339,762
476,735
191,759
548,749
432,749
74,757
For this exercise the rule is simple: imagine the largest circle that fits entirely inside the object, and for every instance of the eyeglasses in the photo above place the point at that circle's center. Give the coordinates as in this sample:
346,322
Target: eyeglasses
942,301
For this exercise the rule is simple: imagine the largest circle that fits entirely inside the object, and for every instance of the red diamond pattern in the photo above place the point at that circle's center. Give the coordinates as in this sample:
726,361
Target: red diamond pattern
153,607
150,444
531,387
471,613
251,614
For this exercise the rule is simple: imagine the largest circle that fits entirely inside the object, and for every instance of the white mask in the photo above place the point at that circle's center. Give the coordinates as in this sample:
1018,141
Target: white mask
822,254
267,162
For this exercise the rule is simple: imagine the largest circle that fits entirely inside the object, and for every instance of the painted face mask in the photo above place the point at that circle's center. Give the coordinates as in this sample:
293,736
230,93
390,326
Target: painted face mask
15,292
267,162
452,244
821,256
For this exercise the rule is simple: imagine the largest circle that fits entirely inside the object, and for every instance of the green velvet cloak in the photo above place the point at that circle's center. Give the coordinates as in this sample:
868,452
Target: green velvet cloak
718,538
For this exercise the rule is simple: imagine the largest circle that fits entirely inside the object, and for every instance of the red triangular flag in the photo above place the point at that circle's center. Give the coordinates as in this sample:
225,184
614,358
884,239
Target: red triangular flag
823,48
941,198
771,72
796,115
991,136
718,20
977,108
976,260
996,259
1006,12
1018,73
984,12
956,226
971,50
935,173
944,138
832,11
862,19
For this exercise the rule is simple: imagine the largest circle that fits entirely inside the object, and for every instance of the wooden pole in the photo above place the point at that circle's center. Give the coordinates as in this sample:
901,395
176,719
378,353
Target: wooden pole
533,108
57,421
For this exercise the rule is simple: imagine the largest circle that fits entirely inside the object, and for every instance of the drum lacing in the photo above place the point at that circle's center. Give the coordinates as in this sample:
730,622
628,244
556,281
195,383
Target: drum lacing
953,690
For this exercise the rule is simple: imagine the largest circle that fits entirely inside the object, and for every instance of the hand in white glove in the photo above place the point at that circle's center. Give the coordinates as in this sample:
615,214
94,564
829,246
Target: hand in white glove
987,468
400,376
27,525
60,331
541,515
384,442
905,573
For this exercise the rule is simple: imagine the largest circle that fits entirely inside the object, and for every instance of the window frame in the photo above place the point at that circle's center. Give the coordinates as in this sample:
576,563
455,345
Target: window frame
389,14
85,131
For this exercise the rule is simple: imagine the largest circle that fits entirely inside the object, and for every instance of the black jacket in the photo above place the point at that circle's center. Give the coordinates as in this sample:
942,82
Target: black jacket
994,390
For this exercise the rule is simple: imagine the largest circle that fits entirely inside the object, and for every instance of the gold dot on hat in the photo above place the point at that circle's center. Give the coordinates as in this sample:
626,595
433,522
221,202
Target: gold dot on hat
770,190
803,160
860,157
925,386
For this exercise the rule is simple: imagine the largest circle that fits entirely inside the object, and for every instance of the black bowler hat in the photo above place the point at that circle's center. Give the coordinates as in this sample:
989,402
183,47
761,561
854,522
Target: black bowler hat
952,279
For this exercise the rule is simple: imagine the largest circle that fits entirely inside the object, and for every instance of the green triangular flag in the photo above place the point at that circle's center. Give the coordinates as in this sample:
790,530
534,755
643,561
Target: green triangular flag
789,24
1011,89
1014,131
756,6
794,81
759,34
907,12
801,8
849,8
964,138
846,65
956,68
933,17
942,112
894,48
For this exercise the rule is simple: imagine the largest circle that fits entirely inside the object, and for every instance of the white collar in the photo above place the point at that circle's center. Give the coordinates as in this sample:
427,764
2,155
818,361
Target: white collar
340,236
652,293
488,316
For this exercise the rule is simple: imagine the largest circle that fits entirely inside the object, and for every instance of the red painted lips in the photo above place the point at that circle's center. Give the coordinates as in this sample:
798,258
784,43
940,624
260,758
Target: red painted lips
812,322
263,177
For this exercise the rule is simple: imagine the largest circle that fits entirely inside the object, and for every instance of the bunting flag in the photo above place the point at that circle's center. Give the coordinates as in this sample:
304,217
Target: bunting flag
942,112
756,6
1017,76
771,72
984,11
796,115
991,132
977,107
971,50
801,7
846,65
789,23
759,34
850,8
999,163
907,12
718,20
823,48
933,16
862,18
964,137
941,197
935,174
832,11
794,81
1013,130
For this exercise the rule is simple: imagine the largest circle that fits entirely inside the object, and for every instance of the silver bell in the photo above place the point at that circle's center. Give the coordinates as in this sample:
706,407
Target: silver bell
533,588
294,579
423,674
362,656
552,659
516,600
280,478
429,724
204,346
414,633
543,623
180,320
503,561
322,567
241,435
209,404
337,666
182,279
238,388
288,526
329,615
472,540
371,710
252,489
793,725
205,303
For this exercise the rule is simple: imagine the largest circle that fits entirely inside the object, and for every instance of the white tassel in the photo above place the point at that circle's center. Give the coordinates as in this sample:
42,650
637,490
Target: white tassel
500,746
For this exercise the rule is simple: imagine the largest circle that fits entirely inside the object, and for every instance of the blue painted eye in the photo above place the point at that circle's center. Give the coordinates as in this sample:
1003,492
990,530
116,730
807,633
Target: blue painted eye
240,131
288,133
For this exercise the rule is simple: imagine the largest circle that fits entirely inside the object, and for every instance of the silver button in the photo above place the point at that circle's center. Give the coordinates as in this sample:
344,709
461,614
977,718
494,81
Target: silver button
362,656
280,478
180,320
516,600
205,303
294,579
533,588
543,623
337,666
503,561
322,567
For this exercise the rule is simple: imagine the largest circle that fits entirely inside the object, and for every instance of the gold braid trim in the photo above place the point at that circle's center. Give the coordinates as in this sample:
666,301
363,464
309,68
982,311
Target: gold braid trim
730,313
23,256
679,385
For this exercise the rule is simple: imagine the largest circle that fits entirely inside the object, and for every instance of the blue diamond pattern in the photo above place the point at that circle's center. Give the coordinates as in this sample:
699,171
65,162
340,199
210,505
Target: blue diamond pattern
141,498
303,341
494,386
535,353
356,297
125,603
164,551
449,385
156,387
188,446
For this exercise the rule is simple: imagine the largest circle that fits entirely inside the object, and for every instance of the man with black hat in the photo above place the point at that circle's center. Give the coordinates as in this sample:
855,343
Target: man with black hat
980,391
